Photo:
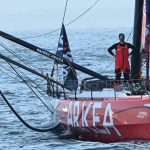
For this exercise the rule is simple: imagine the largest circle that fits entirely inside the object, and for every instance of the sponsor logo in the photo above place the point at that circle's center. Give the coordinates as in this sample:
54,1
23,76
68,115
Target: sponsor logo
91,114
142,115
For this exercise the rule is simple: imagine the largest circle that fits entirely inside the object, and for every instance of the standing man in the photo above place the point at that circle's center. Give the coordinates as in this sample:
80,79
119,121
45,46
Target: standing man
121,57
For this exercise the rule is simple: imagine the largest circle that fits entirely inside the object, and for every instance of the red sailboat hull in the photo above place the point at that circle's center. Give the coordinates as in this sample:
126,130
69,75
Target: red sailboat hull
106,119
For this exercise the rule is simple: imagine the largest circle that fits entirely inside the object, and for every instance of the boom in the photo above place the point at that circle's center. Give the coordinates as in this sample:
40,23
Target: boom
51,55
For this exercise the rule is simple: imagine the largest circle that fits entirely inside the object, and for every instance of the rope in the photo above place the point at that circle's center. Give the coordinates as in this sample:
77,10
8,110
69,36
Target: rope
36,85
8,74
10,51
52,112
69,23
14,54
28,86
24,122
7,70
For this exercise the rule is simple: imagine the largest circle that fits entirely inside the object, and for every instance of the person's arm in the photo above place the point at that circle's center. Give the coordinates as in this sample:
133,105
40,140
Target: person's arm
131,47
111,48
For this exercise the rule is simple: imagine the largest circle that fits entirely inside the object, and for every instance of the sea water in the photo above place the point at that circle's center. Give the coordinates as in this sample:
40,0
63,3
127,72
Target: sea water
89,49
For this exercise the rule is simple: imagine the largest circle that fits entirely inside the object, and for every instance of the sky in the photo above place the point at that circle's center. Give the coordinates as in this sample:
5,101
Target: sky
48,14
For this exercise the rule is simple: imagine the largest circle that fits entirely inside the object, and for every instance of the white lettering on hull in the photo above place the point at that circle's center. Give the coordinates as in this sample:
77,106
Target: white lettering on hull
76,113
108,115
70,120
83,110
96,118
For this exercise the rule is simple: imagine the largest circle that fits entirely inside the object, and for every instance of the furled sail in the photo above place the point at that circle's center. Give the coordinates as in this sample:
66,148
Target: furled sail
143,26
142,52
147,37
69,73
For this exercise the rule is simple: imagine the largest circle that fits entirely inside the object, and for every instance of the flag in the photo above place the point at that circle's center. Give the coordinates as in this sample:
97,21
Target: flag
69,73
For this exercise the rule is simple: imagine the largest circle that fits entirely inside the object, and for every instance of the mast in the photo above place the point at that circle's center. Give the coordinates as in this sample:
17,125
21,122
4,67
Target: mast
135,60
52,56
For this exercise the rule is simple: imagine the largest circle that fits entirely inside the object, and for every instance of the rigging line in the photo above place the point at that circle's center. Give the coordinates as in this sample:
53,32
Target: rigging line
29,86
8,70
63,18
75,73
52,127
127,38
8,75
13,53
37,86
83,13
48,33
65,11
53,69
107,67
34,91
101,71
20,71
10,51
135,23
126,41
33,82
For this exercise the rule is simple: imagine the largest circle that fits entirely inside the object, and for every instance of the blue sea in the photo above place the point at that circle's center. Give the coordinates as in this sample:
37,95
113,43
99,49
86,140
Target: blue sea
89,49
